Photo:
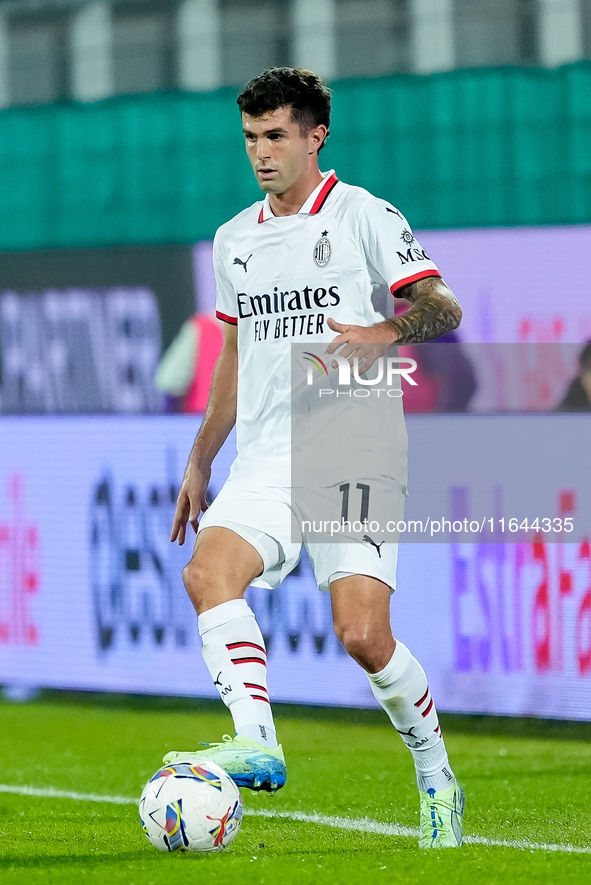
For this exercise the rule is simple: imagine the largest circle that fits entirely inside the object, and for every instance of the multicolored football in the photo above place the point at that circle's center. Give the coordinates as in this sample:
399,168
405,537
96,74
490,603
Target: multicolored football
191,807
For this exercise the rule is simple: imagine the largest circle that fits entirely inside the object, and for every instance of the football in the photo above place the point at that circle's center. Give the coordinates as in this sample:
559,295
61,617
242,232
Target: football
190,807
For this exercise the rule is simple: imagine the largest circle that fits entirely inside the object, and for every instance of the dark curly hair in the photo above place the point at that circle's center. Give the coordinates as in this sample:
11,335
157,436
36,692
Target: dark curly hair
303,91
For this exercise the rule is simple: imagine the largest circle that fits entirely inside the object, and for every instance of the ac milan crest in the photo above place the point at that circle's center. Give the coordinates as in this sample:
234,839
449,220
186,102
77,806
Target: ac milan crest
322,251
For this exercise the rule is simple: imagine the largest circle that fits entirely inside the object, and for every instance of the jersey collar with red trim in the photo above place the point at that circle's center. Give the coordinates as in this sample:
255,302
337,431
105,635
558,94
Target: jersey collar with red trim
313,204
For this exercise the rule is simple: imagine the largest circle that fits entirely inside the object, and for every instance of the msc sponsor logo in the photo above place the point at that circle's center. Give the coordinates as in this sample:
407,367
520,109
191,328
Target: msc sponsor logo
413,254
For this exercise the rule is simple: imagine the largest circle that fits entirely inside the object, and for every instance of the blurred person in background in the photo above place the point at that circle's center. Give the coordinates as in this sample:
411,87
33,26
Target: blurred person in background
184,372
446,381
578,396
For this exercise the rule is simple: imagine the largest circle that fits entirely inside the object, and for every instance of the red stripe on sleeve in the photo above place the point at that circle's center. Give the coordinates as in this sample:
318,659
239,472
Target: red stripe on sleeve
226,319
417,276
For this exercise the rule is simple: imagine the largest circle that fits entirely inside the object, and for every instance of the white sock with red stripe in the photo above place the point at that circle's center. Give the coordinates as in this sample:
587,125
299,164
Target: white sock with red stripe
402,690
235,655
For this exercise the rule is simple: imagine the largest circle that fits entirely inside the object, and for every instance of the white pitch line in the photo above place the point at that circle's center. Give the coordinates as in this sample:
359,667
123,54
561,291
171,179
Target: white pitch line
356,824
368,825
51,793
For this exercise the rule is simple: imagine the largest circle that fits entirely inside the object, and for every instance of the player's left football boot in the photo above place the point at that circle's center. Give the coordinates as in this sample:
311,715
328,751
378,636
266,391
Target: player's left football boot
441,817
248,763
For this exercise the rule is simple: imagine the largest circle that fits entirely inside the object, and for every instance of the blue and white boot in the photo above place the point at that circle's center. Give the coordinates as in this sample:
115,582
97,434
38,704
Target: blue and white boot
249,764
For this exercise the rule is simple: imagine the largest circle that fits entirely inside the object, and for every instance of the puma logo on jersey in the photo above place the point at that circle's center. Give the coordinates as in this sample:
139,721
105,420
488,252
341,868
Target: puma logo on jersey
373,544
394,211
243,263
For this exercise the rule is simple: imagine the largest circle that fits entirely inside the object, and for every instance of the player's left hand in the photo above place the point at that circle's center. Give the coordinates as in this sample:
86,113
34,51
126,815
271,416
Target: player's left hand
362,343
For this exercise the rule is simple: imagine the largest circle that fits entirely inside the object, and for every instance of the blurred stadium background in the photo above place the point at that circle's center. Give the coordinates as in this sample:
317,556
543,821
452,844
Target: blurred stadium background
120,154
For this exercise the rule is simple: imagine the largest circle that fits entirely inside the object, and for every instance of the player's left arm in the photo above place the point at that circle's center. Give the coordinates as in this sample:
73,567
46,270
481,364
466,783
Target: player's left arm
434,311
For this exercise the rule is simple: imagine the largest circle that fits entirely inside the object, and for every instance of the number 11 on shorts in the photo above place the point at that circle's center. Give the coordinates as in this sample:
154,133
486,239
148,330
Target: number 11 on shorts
344,489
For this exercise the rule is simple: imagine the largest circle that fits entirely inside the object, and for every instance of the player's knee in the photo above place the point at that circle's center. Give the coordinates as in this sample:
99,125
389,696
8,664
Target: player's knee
372,648
189,576
205,586
354,638
196,583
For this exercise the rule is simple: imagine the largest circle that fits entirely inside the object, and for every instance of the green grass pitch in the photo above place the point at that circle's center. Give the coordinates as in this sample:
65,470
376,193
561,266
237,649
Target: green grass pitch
525,783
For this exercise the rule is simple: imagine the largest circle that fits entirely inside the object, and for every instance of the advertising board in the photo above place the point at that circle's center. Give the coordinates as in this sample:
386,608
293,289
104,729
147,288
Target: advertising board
91,595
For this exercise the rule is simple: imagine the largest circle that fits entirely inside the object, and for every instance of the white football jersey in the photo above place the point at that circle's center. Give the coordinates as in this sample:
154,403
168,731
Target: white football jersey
279,279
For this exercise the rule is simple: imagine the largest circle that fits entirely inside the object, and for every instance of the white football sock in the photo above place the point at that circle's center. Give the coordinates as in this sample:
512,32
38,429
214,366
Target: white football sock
402,690
235,655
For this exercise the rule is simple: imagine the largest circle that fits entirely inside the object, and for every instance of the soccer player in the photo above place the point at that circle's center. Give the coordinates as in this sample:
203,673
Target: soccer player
313,263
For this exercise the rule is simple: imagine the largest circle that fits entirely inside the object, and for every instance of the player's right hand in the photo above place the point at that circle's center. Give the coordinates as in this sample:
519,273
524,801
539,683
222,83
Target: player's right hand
191,501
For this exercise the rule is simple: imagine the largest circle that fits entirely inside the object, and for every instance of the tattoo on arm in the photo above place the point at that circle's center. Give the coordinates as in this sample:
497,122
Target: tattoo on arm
435,310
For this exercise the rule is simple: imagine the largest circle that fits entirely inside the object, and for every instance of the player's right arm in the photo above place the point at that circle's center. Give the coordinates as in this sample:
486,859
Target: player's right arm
219,418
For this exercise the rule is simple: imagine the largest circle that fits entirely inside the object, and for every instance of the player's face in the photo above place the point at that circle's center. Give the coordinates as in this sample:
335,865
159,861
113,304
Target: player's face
279,154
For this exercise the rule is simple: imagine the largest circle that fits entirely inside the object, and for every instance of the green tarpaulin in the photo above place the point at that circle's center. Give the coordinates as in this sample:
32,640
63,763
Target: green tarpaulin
505,146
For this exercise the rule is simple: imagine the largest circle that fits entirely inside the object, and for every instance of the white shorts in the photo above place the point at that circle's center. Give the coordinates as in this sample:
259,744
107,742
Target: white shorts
268,520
